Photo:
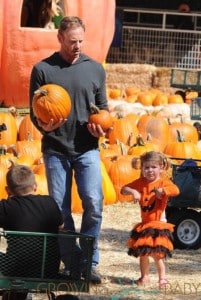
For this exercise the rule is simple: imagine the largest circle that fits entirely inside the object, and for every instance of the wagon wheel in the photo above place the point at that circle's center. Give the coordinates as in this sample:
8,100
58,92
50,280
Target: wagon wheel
187,231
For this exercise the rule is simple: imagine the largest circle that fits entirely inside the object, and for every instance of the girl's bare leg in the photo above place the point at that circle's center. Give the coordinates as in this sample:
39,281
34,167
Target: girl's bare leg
160,266
144,269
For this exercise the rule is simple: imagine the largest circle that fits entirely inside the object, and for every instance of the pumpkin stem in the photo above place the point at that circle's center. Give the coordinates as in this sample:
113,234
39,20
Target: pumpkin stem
13,111
3,150
129,139
148,137
103,145
94,109
169,121
29,137
181,118
123,148
180,137
140,141
14,150
41,92
12,163
3,127
119,115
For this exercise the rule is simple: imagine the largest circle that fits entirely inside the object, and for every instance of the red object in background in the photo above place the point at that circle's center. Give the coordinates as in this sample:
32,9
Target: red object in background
22,47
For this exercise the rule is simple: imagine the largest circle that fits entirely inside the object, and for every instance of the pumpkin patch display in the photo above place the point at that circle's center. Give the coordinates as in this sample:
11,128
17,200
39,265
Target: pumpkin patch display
51,102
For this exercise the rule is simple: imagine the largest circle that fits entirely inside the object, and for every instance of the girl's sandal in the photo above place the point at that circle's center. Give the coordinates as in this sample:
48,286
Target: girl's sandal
142,282
162,282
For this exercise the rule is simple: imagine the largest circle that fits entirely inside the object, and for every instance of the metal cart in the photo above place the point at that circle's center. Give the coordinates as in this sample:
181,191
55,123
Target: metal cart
184,210
188,80
30,262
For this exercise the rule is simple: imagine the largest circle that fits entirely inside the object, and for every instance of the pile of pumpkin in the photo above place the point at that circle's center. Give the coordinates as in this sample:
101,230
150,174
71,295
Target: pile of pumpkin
136,130
20,143
132,99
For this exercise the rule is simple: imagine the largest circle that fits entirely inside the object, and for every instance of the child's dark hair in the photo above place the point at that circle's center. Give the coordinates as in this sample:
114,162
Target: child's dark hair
20,180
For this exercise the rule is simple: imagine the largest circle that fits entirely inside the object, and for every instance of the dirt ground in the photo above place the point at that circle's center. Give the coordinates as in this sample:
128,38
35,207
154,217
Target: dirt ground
119,271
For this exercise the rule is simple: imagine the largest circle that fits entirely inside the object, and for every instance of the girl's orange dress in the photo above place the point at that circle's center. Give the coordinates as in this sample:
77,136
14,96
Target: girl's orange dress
153,236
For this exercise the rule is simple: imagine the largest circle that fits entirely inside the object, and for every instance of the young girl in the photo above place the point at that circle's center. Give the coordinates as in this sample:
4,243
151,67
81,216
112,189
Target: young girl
153,236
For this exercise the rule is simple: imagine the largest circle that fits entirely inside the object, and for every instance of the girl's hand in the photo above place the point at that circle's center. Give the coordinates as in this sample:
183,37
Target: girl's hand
136,196
134,193
159,193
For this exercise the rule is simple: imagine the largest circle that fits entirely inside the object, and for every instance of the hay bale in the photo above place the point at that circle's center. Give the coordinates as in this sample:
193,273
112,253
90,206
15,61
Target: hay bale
162,80
142,76
125,75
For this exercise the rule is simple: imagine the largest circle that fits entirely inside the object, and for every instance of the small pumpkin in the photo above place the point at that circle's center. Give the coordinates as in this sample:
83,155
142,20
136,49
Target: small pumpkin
100,117
176,98
146,98
115,93
51,101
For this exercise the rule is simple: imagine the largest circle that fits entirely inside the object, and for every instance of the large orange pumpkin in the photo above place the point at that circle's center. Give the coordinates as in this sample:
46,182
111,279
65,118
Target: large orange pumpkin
156,127
124,130
21,48
8,133
51,101
186,129
121,172
182,149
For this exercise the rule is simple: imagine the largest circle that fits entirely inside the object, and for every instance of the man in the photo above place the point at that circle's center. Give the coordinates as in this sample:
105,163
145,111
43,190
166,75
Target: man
72,145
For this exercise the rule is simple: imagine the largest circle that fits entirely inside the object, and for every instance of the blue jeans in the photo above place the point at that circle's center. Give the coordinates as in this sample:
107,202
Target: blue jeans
87,172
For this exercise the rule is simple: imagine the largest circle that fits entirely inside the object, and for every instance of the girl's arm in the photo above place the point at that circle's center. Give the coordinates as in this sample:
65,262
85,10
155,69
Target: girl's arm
126,190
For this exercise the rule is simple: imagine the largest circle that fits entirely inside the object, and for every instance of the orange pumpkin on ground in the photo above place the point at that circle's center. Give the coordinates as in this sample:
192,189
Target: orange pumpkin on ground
146,98
182,149
8,129
176,98
156,127
141,147
131,90
188,131
31,148
27,130
161,99
121,172
124,130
